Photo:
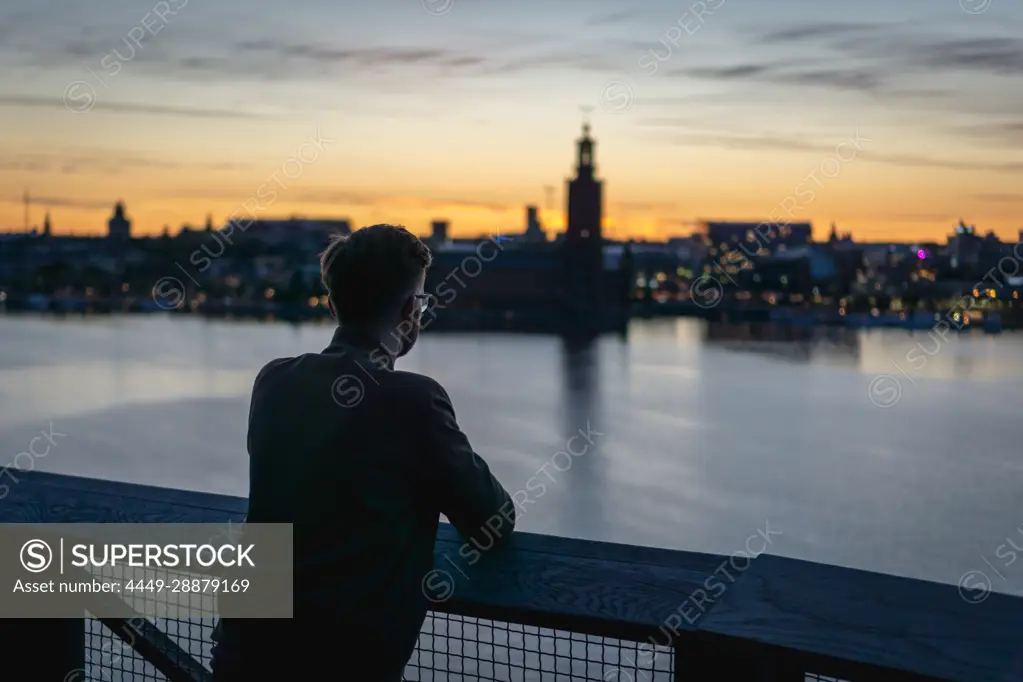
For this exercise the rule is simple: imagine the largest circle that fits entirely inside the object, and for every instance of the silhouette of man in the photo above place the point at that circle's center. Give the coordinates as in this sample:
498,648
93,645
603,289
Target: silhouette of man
362,459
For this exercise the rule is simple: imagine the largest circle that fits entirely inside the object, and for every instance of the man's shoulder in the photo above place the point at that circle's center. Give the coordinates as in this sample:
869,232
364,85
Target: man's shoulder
273,366
417,386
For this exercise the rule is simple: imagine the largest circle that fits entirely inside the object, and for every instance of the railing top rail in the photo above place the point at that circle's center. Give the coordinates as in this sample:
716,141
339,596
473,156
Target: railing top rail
819,612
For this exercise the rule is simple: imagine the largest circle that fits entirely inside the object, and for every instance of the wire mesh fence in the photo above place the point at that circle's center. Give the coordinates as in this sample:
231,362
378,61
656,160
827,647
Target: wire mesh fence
108,658
461,648
450,648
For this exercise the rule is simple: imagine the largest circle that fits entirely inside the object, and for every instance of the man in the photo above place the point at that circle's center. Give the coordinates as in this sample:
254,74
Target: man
362,459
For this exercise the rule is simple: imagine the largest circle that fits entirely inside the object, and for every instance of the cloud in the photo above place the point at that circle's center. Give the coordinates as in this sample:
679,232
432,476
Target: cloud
921,161
279,60
995,133
741,71
337,197
899,66
916,217
816,31
271,59
63,202
999,198
123,107
197,58
862,79
779,142
613,18
738,141
366,199
360,57
102,162
998,56
893,49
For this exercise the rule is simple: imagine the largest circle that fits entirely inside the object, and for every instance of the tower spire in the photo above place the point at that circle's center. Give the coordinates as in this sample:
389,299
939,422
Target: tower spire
585,161
586,111
27,201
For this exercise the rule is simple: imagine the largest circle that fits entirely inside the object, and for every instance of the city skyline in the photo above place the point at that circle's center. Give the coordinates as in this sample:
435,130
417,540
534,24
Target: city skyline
905,113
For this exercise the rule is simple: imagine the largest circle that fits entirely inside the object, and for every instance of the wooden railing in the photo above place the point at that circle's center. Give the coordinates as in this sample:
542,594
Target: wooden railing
778,619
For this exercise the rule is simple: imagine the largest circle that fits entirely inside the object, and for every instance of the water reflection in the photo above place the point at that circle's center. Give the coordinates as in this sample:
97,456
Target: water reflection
583,475
581,379
707,432
793,343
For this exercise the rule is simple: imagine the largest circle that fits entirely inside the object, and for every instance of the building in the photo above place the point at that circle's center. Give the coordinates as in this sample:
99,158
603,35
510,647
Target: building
537,285
119,227
584,242
439,231
299,232
534,231
964,246
751,237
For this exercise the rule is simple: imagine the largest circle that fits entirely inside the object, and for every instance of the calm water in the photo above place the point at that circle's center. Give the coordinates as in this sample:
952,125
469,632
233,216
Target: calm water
707,434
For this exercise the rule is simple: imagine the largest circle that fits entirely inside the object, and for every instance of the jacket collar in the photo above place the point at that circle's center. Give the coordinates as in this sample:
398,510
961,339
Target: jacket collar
361,344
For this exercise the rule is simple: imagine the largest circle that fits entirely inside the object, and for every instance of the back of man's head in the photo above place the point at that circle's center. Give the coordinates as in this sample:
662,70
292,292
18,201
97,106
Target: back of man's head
368,272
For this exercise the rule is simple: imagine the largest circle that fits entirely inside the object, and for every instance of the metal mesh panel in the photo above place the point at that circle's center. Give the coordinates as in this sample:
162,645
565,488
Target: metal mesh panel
450,649
109,659
187,618
459,648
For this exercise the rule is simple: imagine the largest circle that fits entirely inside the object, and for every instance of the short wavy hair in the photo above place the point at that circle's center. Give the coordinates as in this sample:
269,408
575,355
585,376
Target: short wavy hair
370,270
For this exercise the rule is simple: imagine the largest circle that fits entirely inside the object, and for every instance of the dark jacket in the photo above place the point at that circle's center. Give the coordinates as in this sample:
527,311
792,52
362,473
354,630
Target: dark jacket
362,458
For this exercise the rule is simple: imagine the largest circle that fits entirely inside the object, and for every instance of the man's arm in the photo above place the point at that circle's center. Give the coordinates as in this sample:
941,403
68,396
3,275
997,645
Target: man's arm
463,487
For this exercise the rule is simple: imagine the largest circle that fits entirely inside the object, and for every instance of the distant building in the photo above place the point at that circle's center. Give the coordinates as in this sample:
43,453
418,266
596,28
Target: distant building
964,246
584,243
299,232
47,228
564,285
585,196
751,237
119,227
836,240
534,231
439,231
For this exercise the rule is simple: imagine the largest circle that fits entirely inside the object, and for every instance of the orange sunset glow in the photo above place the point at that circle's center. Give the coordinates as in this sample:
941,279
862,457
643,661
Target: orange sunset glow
893,121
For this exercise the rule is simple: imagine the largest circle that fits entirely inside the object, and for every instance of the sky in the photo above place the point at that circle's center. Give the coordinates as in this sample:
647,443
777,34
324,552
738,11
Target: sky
891,118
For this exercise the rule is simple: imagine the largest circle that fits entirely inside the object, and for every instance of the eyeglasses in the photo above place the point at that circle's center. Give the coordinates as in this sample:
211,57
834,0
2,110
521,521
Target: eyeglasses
422,301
